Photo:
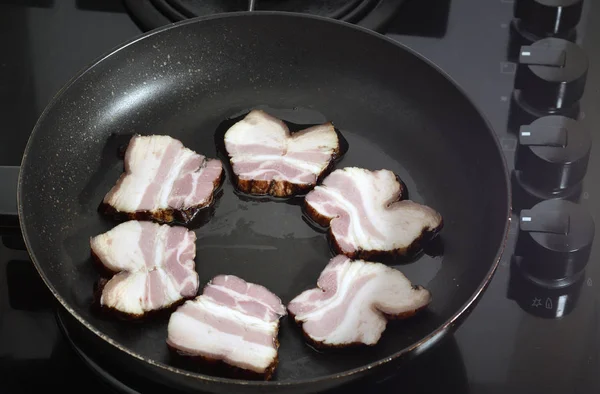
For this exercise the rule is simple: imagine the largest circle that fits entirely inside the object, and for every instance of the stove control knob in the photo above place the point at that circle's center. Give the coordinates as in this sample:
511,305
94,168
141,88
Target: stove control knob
541,300
554,241
547,18
553,153
551,74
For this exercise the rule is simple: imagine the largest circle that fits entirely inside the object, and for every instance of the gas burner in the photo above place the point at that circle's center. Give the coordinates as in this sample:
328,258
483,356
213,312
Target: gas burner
372,14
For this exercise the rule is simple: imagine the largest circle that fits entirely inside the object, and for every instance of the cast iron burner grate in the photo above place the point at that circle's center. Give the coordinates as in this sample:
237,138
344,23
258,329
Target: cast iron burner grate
373,14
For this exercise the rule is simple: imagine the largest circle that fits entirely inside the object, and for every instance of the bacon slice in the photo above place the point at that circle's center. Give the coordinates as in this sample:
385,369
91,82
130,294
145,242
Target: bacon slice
153,265
234,322
353,302
365,214
268,160
163,181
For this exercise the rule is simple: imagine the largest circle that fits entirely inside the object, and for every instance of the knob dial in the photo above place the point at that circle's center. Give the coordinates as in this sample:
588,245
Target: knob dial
553,153
551,74
547,18
554,241
541,300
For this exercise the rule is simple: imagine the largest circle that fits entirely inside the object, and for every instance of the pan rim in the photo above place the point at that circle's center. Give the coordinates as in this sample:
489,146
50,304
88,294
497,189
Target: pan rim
424,343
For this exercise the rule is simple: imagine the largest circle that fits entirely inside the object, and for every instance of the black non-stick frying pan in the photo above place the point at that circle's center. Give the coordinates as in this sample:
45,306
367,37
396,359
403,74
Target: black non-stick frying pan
396,111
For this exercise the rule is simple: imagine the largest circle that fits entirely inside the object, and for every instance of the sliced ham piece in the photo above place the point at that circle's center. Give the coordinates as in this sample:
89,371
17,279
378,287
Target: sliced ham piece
163,181
234,322
153,265
366,216
267,159
353,302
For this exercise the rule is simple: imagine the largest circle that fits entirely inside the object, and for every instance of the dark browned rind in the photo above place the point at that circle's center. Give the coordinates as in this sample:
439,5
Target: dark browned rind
272,188
220,367
167,216
322,346
113,313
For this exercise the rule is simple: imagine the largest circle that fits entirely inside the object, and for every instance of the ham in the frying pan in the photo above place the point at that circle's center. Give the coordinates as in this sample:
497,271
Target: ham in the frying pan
153,266
267,159
353,301
232,321
366,216
163,181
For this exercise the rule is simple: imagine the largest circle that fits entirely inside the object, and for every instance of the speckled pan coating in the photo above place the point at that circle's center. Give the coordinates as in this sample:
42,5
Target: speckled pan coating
395,110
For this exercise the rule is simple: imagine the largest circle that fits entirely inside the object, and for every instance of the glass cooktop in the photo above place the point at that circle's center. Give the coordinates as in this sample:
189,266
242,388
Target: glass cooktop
530,332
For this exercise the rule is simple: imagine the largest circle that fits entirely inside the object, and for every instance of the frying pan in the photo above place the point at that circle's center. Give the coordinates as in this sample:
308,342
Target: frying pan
395,109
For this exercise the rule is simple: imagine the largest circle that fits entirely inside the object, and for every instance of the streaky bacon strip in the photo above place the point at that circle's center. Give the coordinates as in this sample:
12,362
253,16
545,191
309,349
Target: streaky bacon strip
163,181
366,215
353,301
232,321
153,265
269,160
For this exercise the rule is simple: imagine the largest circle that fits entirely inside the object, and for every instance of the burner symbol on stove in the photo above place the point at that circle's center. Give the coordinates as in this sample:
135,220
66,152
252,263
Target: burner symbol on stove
548,303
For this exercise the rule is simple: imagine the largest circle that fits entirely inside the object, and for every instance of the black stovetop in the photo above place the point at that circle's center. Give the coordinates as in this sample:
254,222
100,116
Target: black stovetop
521,338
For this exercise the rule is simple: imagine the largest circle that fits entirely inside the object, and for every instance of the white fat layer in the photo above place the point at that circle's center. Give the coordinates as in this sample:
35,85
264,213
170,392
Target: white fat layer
322,138
271,161
356,234
386,291
205,303
189,334
257,128
144,162
128,294
174,172
145,155
397,227
239,297
119,250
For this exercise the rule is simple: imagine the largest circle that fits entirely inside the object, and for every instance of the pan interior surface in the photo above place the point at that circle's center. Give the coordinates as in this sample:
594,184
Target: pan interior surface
395,111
